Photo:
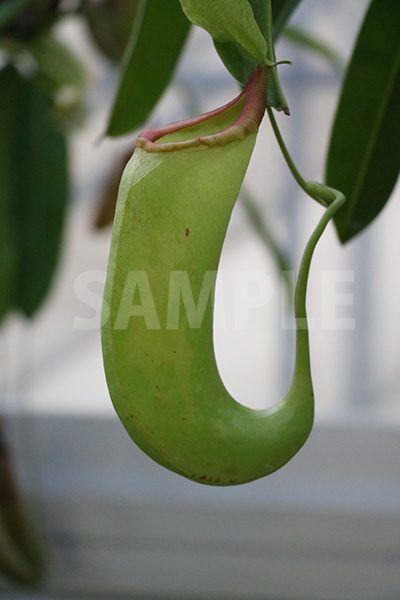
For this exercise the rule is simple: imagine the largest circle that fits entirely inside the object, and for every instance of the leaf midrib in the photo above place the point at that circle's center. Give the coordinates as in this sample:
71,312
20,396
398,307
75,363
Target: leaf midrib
375,130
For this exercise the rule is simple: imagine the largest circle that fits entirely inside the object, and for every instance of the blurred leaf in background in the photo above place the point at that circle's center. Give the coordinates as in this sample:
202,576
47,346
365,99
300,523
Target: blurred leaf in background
315,45
157,39
42,86
110,23
62,77
8,251
33,191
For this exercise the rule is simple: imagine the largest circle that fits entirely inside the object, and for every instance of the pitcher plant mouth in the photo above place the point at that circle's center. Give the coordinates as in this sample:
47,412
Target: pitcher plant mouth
250,107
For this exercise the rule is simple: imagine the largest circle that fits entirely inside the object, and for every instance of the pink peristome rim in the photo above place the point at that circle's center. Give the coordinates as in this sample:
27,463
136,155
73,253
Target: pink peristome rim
248,121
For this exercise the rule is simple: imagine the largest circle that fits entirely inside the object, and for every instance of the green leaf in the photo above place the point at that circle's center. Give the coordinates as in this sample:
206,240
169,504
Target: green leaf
364,153
34,163
62,76
281,12
241,65
41,156
228,21
236,60
156,42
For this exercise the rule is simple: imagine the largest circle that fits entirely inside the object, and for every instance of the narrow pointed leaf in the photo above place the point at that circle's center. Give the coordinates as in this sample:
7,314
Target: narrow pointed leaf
41,160
8,256
156,42
34,166
364,154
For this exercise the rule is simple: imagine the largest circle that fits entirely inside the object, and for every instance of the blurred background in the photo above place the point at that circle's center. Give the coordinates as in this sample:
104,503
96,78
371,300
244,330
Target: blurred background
115,524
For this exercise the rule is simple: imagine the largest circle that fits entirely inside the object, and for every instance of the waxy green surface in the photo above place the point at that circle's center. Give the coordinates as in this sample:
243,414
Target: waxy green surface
173,211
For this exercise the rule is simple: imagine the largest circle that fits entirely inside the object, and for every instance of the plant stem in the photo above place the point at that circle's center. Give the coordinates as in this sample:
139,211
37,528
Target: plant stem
295,172
276,97
21,556
318,192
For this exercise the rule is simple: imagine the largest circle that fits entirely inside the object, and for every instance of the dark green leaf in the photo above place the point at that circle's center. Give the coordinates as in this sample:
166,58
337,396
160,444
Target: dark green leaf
34,163
8,257
364,154
238,63
281,12
43,191
157,39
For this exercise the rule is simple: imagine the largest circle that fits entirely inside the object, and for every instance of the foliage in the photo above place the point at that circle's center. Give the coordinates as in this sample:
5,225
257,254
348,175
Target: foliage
364,153
149,62
33,205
